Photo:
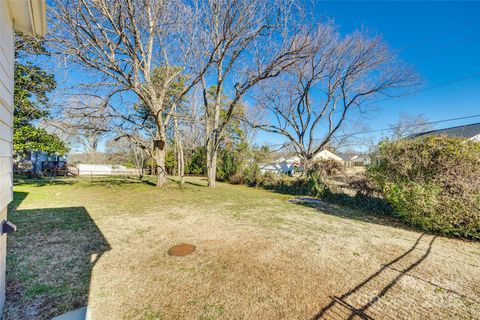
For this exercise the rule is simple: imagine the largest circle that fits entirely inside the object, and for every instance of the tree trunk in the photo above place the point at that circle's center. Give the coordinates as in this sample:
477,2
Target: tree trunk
182,169
138,161
212,149
212,134
306,167
160,153
179,150
181,162
142,164
153,166
211,165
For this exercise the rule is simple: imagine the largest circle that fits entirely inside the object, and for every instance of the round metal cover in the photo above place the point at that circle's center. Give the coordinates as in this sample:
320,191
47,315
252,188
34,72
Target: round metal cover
181,250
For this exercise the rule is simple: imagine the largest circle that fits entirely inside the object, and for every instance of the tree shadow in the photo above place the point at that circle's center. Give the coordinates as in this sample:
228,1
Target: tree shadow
368,208
113,180
148,182
349,212
50,259
187,182
43,181
359,301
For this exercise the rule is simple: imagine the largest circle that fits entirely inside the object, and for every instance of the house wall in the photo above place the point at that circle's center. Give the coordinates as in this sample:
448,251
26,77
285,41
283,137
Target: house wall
37,159
327,155
6,127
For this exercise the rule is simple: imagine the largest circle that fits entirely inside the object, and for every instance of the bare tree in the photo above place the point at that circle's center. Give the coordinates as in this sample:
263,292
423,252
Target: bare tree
82,121
194,124
179,147
408,125
124,151
249,42
310,103
123,40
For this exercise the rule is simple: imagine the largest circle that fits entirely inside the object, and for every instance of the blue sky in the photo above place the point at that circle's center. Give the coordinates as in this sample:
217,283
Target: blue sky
440,39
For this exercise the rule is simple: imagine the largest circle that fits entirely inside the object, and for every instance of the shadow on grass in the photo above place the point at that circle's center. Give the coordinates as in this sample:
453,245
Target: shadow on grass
112,181
359,301
98,181
368,299
187,182
18,198
359,207
351,212
50,260
84,180
44,181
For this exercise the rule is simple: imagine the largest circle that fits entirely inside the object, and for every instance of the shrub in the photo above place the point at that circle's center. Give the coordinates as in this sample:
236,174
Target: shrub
432,182
237,178
267,178
328,168
312,186
197,162
315,186
362,185
227,164
251,174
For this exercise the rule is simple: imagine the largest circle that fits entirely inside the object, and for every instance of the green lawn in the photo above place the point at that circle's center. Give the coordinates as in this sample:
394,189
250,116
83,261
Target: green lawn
104,243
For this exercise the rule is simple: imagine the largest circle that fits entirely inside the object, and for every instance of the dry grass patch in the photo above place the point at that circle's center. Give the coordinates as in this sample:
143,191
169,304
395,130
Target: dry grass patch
257,257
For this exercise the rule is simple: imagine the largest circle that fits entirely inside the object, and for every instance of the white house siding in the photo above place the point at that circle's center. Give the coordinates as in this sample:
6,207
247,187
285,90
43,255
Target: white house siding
327,155
6,127
278,168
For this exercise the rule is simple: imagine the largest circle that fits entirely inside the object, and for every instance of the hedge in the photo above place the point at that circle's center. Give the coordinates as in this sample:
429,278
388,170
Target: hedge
431,182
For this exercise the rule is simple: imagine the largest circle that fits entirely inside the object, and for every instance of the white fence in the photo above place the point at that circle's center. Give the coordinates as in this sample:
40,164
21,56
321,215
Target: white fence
105,170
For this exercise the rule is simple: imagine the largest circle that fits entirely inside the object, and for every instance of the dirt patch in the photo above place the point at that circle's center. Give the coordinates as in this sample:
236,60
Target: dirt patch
181,250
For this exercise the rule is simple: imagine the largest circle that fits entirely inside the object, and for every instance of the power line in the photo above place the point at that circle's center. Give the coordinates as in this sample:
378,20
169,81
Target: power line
451,30
440,85
388,129
411,126
445,46
443,34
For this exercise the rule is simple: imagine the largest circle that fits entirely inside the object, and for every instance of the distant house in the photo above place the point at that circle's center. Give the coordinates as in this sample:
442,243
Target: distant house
294,164
327,155
355,159
469,131
39,162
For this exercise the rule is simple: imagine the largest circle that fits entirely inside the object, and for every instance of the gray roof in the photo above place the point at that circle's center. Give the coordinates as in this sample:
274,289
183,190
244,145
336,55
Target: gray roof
467,131
346,156
353,156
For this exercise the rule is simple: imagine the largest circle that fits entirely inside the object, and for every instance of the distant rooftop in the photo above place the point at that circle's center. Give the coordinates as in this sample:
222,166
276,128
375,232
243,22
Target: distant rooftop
466,131
353,156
